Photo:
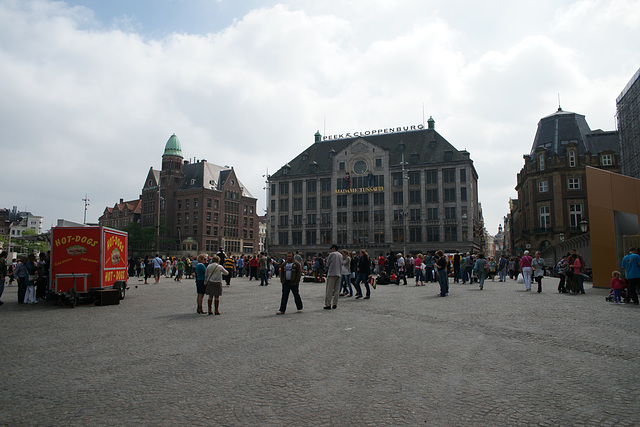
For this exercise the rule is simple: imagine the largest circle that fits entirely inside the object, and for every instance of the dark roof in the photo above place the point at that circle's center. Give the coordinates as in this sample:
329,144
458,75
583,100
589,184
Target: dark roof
207,175
425,146
599,141
558,127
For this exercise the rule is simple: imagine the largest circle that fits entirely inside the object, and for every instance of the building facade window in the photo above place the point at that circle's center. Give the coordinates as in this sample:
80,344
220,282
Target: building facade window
450,212
572,159
607,160
432,213
575,215
451,234
414,196
341,200
378,236
378,215
341,217
284,188
449,194
463,175
415,214
432,176
543,186
360,237
415,234
414,178
448,175
545,217
398,234
574,183
541,162
297,203
297,187
397,198
396,179
433,234
284,205
432,196
312,203
311,237
378,199
463,194
325,202
312,186
360,217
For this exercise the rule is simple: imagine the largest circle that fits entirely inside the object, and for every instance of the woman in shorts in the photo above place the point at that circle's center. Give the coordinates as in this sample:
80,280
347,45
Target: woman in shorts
201,272
213,279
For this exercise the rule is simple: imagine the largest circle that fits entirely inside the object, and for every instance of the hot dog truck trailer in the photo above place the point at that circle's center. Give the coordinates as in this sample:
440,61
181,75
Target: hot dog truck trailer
88,263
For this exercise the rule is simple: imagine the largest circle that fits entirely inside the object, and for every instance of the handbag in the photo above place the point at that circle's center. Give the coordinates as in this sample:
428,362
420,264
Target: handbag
520,278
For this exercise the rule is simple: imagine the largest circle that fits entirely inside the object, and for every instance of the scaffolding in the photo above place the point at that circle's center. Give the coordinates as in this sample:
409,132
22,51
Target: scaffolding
628,114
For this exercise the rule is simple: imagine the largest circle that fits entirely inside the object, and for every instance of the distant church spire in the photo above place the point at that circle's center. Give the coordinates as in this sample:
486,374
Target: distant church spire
559,107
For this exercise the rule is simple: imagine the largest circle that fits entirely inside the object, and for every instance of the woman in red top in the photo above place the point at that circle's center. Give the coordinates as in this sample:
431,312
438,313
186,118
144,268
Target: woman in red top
576,266
253,265
526,270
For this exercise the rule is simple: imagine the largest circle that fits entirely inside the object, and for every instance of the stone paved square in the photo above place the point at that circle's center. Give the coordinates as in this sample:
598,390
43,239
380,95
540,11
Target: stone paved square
500,356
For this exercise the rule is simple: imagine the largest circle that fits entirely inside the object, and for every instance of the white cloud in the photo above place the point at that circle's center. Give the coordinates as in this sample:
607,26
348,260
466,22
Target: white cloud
86,107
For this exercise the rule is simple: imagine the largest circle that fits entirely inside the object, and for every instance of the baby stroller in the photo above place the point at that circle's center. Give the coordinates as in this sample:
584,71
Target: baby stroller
624,296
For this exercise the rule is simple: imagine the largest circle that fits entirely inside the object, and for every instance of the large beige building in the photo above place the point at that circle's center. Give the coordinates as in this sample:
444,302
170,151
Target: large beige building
398,189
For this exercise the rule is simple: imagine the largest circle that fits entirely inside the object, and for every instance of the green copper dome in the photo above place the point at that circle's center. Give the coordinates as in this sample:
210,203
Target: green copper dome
173,147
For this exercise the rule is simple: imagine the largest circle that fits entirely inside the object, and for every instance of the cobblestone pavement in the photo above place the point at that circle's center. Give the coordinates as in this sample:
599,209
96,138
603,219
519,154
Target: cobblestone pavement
500,356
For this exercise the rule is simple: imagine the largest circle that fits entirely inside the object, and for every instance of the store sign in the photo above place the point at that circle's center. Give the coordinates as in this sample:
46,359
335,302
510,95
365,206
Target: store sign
373,132
360,190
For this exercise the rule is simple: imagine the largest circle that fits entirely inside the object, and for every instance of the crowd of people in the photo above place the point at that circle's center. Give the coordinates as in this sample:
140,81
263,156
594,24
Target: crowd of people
346,273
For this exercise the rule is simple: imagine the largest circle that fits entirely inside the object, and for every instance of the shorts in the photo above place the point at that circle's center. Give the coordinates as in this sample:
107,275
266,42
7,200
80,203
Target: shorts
156,272
214,289
200,287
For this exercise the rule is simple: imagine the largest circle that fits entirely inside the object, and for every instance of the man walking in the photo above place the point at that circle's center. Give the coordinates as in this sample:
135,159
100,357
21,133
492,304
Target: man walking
157,268
264,265
631,265
334,269
290,274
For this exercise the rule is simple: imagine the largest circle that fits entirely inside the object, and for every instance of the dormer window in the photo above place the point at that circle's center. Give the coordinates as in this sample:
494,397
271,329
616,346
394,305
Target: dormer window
607,160
572,159
541,162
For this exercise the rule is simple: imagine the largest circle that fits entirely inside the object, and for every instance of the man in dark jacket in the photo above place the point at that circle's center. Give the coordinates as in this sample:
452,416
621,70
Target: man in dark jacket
290,275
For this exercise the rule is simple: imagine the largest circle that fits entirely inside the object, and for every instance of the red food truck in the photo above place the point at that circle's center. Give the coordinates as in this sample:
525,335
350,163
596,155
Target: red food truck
88,263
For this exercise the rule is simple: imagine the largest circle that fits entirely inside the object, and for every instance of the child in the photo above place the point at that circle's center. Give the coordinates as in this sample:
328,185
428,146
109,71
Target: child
394,278
617,284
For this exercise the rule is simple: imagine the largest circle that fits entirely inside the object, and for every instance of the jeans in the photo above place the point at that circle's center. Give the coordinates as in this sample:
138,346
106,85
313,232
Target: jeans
503,275
287,287
482,275
444,283
527,272
264,277
632,287
466,275
428,274
362,278
344,283
22,289
456,274
419,277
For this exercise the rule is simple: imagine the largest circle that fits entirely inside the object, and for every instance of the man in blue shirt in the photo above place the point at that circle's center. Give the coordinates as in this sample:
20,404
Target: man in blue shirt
631,265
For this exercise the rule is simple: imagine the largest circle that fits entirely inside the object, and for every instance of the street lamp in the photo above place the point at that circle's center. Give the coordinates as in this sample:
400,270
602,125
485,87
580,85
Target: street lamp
584,225
561,236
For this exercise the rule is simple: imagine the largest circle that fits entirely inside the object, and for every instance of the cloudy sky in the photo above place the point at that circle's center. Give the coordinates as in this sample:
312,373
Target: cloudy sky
91,90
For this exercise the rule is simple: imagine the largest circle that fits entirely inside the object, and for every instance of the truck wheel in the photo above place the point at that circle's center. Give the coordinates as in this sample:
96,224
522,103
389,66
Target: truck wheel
123,291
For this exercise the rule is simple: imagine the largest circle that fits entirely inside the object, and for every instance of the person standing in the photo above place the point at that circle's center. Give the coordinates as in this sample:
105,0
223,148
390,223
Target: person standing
229,265
345,278
264,269
253,265
240,265
400,268
538,266
617,285
428,268
334,270
201,273
443,277
363,272
3,271
290,275
381,263
468,268
157,268
631,265
526,270
417,264
456,266
562,268
213,279
481,269
502,268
